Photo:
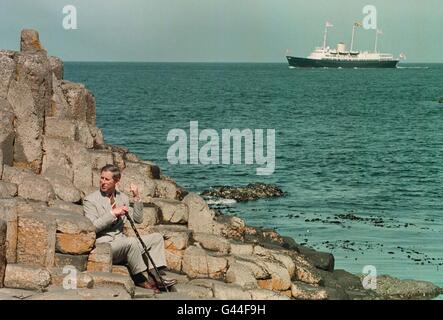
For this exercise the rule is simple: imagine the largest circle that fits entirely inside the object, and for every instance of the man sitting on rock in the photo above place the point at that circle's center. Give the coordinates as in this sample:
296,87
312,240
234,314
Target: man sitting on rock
106,208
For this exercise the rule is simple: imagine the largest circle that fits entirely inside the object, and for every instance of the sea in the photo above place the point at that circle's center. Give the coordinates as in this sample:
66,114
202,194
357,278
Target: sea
358,152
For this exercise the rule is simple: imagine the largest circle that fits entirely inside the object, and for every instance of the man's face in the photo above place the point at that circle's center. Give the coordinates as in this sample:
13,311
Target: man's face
107,183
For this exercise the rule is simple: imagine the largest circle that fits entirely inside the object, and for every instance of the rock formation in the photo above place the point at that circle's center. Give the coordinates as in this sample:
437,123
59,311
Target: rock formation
50,156
252,191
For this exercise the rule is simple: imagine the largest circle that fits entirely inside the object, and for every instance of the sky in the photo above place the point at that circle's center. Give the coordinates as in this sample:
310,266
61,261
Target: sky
221,30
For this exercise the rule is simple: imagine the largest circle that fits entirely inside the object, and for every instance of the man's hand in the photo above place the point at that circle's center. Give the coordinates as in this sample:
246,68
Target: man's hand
135,193
120,211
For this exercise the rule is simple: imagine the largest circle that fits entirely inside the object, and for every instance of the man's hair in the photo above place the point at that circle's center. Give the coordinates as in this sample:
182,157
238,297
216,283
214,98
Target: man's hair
116,174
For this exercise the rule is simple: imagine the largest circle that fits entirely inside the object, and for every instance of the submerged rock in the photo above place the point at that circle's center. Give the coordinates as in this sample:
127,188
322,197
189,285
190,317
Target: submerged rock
393,288
252,191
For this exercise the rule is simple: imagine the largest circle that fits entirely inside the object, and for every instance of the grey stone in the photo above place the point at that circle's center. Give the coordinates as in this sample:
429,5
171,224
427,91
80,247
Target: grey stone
303,291
30,42
212,242
62,186
77,261
103,279
7,190
225,291
75,233
57,66
36,239
70,278
7,70
241,275
197,263
8,213
68,206
7,134
3,230
172,211
200,216
26,277
60,128
393,288
196,292
263,294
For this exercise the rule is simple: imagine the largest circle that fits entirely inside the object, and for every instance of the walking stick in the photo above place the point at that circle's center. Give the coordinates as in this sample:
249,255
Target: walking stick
145,251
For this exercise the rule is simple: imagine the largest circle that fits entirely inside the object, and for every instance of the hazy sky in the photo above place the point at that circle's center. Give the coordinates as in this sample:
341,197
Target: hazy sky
220,30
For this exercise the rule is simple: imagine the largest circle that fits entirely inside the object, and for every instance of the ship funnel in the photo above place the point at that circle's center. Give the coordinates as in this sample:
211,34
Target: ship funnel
341,47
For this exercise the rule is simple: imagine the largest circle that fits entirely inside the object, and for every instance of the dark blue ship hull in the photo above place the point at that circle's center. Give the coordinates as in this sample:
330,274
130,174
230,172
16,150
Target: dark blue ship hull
312,63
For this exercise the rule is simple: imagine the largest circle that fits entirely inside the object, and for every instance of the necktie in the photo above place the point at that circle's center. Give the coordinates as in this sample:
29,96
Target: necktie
112,201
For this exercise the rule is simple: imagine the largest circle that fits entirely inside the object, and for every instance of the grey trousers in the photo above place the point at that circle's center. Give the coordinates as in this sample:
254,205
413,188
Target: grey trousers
129,249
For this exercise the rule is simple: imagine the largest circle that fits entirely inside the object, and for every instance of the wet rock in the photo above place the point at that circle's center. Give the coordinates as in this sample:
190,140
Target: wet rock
441,100
252,191
26,277
321,260
305,271
303,291
393,288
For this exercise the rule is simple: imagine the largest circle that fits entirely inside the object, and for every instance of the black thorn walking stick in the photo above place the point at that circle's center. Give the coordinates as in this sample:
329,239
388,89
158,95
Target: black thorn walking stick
145,251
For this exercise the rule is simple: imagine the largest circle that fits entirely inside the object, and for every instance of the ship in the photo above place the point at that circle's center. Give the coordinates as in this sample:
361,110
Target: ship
340,57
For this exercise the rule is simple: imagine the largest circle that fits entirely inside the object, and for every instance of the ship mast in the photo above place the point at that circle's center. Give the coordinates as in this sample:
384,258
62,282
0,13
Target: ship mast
327,25
356,24
377,32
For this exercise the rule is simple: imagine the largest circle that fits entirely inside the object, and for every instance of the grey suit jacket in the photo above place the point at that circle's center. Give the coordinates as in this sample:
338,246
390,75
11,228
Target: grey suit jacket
97,208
